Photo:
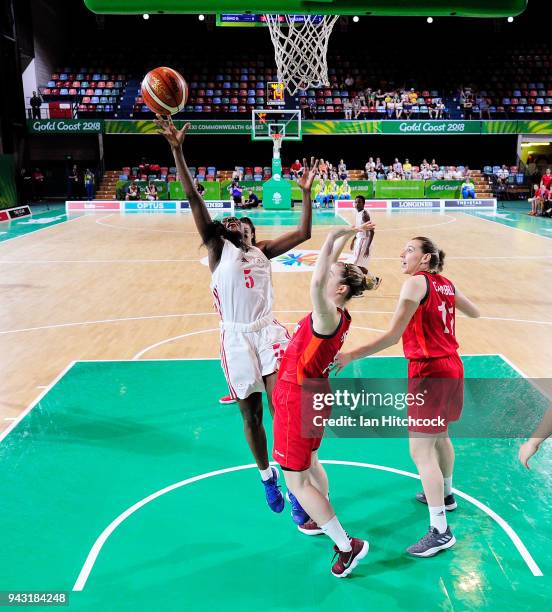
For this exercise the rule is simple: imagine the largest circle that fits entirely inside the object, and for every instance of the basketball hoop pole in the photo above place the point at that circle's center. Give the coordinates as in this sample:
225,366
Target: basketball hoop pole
276,160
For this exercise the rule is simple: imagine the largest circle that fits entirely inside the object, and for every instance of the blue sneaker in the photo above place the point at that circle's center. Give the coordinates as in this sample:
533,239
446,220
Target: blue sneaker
299,516
274,497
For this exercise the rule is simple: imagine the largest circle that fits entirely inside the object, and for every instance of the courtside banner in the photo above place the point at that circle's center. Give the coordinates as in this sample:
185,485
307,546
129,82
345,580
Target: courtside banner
4,216
18,211
471,203
410,204
81,205
211,205
149,205
350,204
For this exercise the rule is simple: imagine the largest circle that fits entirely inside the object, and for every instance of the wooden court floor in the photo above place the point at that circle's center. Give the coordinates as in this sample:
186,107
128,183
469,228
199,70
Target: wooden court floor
133,287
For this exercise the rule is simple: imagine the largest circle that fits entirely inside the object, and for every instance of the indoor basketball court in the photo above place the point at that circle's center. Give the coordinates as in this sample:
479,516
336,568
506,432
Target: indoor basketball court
127,486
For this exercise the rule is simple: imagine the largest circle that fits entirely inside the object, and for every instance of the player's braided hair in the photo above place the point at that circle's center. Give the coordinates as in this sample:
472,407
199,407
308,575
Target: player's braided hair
355,277
437,260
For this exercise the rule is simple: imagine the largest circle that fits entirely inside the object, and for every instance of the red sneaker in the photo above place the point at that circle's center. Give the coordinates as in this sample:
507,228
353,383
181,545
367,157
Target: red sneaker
310,528
227,399
347,561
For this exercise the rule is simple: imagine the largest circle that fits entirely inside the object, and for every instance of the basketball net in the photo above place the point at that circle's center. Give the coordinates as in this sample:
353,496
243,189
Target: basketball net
277,145
300,49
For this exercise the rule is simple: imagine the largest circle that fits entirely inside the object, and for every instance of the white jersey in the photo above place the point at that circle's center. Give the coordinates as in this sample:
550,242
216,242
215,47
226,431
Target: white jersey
363,242
242,285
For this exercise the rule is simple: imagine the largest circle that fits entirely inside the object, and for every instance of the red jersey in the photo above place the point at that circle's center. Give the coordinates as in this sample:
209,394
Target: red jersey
546,180
431,333
310,355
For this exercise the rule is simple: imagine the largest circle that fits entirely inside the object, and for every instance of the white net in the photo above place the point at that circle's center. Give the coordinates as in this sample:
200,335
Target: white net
300,48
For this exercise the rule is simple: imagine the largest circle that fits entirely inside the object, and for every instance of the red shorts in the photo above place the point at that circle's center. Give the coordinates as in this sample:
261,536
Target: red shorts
291,449
443,398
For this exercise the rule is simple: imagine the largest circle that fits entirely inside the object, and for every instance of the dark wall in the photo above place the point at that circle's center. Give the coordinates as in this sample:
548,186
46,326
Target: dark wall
227,151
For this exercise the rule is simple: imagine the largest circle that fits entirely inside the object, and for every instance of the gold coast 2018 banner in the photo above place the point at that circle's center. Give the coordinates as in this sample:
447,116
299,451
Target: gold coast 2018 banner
308,127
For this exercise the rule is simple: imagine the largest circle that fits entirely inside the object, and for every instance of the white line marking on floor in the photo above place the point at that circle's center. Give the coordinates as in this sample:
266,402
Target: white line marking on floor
106,533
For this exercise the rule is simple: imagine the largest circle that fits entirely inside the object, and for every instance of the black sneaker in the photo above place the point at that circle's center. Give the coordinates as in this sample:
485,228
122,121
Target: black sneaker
449,502
432,543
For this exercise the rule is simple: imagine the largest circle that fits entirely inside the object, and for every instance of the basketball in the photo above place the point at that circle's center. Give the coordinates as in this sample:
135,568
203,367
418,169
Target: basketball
164,91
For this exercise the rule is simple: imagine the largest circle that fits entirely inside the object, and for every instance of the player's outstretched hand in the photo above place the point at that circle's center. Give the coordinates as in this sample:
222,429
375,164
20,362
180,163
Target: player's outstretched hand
526,451
309,172
167,128
340,361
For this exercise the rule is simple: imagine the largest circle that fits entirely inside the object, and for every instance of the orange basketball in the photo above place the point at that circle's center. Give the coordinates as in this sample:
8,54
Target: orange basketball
164,91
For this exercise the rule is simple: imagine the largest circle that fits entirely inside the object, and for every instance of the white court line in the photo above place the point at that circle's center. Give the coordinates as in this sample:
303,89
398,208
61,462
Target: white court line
518,229
106,533
101,261
206,314
167,340
10,418
140,229
185,260
25,412
42,229
205,331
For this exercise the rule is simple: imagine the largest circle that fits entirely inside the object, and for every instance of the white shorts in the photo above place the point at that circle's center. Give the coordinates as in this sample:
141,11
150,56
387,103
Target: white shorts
250,351
359,258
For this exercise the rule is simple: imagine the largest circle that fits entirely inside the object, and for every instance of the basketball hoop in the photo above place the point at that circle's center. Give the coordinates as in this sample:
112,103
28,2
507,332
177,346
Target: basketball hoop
300,49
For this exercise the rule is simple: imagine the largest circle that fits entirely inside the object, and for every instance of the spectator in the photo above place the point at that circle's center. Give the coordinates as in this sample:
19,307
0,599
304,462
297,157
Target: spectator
424,165
199,187
73,183
321,193
397,167
36,103
372,176
425,172
333,191
296,169
252,200
467,189
357,107
342,170
440,108
237,174
370,166
345,191
151,192
458,174
466,102
349,81
413,95
484,107
437,174
406,105
323,169
38,184
380,168
536,200
434,165
236,193
390,107
546,179
133,192
407,168
89,184
432,109
398,106
348,109
503,174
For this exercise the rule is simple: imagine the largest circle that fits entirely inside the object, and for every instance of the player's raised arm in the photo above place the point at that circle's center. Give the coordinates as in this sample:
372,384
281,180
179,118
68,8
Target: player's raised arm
285,242
175,138
465,305
412,293
325,316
